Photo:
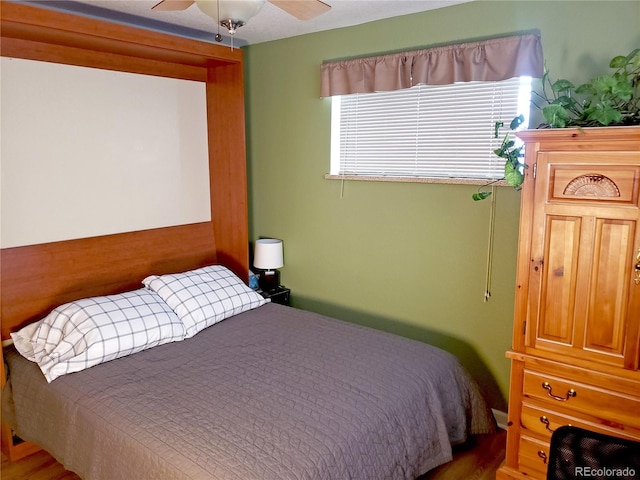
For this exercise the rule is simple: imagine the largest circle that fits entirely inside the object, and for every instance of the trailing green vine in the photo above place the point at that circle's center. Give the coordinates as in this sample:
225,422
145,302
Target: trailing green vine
512,153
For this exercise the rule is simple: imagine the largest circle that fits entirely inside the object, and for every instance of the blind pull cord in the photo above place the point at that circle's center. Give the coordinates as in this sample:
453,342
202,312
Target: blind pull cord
492,224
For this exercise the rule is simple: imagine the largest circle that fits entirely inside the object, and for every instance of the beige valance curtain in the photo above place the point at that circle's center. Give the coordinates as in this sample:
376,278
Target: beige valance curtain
488,60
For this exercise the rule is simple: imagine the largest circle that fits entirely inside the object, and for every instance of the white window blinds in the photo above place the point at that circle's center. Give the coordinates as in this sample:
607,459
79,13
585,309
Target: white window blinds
441,131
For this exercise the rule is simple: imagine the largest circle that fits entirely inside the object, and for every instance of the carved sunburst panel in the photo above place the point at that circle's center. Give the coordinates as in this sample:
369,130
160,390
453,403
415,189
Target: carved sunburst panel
592,185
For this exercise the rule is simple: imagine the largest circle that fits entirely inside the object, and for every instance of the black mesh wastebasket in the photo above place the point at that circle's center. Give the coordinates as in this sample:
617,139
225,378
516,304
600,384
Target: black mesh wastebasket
576,453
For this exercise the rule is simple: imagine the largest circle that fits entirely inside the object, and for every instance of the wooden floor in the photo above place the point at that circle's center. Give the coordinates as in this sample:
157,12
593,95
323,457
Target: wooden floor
477,461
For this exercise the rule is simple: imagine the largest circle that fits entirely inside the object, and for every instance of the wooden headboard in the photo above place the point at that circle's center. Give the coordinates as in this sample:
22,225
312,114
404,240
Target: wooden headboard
36,278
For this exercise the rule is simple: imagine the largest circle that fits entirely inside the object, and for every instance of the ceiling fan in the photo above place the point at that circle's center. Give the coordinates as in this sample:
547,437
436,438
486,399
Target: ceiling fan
232,14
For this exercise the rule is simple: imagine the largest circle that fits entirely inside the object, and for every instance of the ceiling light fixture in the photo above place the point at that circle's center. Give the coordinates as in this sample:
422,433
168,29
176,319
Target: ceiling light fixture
231,14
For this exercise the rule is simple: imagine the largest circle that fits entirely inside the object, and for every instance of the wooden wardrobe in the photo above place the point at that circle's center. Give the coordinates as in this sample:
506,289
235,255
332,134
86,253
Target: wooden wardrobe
576,331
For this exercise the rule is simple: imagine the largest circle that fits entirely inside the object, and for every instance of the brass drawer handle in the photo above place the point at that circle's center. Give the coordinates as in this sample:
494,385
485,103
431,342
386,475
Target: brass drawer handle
543,456
570,393
545,420
547,423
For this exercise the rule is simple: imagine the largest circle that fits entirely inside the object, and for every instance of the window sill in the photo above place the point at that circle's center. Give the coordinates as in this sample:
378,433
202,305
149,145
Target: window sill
452,181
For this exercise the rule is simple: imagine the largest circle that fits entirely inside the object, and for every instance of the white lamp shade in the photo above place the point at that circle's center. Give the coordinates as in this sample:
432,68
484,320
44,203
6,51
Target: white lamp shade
241,10
267,254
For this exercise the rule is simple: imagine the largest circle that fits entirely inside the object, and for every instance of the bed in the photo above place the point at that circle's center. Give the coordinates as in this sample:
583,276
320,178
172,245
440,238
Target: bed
252,390
265,391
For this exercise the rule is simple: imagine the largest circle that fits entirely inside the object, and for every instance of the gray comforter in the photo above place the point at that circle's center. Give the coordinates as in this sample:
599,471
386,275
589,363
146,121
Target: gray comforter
275,393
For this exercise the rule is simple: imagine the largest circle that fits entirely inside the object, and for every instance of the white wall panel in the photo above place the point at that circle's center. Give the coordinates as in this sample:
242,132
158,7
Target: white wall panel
87,152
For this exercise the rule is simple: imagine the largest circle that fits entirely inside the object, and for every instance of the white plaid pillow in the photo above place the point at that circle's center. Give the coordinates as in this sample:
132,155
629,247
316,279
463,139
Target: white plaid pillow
84,333
204,296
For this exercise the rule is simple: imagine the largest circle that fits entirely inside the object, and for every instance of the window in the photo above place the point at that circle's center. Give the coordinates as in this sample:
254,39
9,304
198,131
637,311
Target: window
426,131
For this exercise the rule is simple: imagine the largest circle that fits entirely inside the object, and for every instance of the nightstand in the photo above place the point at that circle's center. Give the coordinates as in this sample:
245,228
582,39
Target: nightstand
278,295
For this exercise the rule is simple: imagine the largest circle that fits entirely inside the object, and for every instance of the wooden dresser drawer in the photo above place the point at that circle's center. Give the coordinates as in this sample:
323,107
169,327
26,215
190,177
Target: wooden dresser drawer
533,457
542,422
613,409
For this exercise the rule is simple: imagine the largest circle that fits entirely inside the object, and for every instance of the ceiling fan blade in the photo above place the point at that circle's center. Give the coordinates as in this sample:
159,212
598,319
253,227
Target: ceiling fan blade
302,9
172,5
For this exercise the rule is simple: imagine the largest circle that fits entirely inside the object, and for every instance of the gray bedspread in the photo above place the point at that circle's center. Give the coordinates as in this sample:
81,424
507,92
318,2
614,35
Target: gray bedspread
275,393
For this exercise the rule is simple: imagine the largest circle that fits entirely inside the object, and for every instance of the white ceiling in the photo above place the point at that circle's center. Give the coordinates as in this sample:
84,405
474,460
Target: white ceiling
271,23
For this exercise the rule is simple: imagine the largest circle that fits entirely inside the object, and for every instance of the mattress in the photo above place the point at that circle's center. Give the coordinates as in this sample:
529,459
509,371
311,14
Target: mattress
274,393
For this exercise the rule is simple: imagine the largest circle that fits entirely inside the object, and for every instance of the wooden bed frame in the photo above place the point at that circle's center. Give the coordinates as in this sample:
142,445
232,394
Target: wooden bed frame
36,278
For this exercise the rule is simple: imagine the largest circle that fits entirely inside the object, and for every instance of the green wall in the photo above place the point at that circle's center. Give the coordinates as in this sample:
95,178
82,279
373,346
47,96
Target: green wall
406,258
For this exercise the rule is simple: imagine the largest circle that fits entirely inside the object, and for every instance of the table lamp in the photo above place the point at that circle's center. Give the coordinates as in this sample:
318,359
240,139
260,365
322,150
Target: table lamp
268,256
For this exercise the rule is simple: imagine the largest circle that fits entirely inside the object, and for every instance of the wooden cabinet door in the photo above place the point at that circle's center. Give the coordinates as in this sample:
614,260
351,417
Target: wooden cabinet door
584,300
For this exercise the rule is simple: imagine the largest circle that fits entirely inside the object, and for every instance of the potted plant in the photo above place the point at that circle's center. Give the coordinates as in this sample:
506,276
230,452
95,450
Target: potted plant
605,100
